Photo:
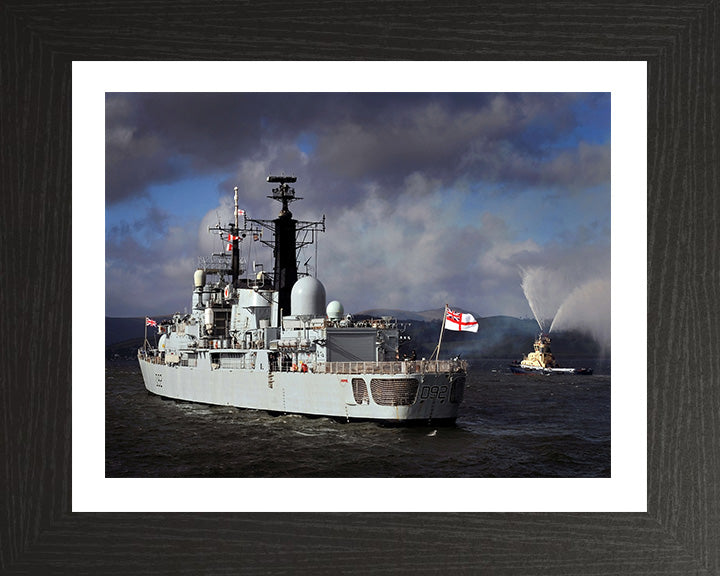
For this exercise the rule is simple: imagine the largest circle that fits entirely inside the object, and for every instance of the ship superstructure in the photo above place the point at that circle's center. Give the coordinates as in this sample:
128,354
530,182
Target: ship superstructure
541,357
266,340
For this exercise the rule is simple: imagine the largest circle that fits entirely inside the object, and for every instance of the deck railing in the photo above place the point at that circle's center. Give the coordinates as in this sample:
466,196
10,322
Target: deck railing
398,367
406,367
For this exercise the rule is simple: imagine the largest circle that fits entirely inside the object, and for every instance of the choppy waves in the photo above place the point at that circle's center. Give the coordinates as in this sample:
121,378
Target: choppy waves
509,426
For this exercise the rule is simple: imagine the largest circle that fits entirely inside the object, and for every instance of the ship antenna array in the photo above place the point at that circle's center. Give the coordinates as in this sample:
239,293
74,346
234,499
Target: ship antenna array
305,232
234,235
236,208
283,193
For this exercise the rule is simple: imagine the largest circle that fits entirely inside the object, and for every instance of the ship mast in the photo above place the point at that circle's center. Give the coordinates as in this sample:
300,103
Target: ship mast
235,266
285,272
286,242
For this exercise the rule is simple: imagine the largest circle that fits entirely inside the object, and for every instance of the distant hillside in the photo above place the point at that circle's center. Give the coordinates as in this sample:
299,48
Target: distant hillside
497,337
399,314
123,336
435,314
424,316
119,329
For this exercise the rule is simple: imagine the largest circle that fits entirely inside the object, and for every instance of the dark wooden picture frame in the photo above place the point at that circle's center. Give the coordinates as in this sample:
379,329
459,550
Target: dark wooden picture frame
680,533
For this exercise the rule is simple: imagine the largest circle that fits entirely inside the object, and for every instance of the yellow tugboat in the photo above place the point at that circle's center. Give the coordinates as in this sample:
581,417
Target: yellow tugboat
542,360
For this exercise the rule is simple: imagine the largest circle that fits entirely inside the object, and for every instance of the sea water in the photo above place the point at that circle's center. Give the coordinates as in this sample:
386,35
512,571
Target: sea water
508,426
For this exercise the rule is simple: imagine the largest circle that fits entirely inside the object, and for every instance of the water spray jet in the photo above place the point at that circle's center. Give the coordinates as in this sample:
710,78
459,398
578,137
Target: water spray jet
560,304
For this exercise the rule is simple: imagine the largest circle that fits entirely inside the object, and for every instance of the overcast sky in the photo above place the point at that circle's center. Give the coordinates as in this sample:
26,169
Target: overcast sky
429,198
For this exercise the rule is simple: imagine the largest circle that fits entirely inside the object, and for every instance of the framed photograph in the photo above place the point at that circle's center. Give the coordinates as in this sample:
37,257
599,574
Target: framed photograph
60,517
494,194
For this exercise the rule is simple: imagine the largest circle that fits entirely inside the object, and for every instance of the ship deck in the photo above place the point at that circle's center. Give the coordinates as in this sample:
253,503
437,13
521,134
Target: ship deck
398,367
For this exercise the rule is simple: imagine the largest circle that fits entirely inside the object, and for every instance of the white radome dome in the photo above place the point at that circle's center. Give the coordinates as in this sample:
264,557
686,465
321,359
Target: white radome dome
307,297
335,310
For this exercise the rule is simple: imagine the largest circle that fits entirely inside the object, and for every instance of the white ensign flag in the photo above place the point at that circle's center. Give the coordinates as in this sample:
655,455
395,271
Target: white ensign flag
460,322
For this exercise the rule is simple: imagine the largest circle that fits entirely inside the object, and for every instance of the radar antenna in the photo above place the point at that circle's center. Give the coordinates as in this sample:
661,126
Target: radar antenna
283,193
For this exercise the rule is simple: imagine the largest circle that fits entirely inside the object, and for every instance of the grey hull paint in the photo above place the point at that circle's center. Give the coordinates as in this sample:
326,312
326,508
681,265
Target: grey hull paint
299,393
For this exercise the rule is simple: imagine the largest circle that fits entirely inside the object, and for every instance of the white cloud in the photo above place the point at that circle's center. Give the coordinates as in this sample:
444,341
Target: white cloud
429,198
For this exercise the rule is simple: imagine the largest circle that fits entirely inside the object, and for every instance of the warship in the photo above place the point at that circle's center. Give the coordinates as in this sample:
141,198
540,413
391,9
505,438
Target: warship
266,340
542,360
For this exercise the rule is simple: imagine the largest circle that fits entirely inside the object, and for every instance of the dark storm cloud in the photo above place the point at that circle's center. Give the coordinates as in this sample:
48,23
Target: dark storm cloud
360,138
159,138
122,248
473,137
430,198
134,157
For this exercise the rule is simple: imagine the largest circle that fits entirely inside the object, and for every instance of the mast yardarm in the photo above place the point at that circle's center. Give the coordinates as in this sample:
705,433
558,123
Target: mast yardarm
289,236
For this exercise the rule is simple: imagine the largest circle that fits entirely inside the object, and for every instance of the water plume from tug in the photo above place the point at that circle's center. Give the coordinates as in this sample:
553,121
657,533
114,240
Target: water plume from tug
545,291
559,304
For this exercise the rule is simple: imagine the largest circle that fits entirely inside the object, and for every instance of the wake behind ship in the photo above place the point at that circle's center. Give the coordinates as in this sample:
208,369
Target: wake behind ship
266,340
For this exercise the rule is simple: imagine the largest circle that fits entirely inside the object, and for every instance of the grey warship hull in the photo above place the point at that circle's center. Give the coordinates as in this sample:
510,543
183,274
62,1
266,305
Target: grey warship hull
407,397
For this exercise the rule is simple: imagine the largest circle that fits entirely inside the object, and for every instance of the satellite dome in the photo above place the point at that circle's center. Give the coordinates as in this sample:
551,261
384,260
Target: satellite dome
199,278
307,297
335,310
